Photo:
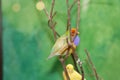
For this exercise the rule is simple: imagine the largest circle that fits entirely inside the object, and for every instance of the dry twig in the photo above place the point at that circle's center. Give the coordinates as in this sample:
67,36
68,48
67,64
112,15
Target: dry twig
93,67
77,61
78,14
51,23
73,4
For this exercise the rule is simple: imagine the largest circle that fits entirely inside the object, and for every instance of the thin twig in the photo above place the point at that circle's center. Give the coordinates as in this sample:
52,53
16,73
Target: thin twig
54,30
64,67
66,56
68,24
78,14
68,14
54,14
51,11
51,24
47,14
72,55
73,4
79,63
93,67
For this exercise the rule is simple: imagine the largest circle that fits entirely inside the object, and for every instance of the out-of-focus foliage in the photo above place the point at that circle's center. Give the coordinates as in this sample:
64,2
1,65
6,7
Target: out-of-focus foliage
27,39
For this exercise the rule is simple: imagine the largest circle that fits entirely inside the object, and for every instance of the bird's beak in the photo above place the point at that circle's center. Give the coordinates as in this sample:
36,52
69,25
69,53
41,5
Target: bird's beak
78,33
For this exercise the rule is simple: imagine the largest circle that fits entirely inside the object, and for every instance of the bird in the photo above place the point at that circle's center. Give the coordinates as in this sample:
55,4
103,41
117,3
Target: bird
73,75
61,45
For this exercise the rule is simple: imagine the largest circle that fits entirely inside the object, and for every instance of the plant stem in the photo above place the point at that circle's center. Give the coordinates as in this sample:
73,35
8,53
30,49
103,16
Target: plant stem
78,14
72,55
73,4
79,63
93,67
64,67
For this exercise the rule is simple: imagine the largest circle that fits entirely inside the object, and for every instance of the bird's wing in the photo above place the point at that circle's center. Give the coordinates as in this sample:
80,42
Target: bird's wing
59,46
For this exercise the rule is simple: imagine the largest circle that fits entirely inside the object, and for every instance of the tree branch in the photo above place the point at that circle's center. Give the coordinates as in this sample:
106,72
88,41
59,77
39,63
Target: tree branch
93,67
68,14
73,4
79,63
78,14
64,67
51,23
72,55
52,7
47,14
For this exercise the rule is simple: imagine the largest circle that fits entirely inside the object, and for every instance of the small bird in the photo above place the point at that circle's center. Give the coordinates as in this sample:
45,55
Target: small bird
73,75
61,46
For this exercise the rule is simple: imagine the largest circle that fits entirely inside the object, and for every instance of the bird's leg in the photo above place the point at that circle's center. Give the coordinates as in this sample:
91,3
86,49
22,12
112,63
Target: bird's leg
64,67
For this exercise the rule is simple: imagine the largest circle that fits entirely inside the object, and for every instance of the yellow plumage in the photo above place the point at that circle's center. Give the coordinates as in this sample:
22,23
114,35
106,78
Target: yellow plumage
74,75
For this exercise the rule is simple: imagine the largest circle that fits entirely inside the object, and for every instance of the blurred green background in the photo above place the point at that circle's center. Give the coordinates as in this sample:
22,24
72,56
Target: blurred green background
27,39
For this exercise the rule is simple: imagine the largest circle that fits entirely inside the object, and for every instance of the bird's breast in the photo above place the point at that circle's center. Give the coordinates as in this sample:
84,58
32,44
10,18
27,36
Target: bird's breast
77,40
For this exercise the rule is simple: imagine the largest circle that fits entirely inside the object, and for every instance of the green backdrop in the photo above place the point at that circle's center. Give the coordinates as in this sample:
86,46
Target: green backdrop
27,39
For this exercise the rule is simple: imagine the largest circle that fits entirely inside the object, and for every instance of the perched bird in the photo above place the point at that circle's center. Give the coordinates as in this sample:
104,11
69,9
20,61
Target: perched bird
61,46
73,75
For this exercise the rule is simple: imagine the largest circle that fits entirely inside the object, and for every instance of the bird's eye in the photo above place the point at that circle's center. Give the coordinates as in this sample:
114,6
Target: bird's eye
73,32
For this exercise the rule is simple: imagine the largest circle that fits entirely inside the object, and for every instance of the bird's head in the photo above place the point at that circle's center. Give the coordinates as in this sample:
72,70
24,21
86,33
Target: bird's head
75,37
74,32
70,68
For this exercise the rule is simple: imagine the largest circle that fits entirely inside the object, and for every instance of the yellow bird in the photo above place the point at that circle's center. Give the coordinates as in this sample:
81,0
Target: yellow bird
60,47
73,75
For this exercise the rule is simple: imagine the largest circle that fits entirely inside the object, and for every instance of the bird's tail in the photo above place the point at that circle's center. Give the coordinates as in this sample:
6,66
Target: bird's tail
51,55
